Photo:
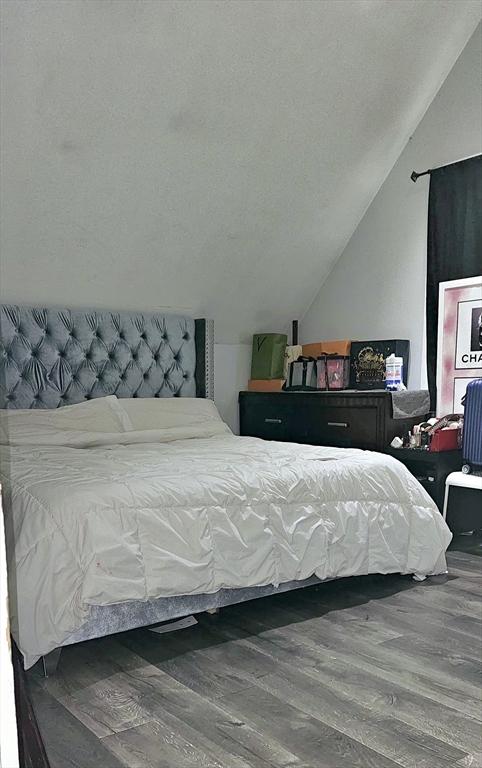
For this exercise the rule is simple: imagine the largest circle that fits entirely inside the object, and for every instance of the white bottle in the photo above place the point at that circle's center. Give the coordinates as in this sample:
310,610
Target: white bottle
393,372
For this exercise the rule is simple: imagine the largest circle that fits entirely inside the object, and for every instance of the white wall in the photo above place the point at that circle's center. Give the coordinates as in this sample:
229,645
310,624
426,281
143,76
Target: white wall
377,288
212,155
203,158
232,366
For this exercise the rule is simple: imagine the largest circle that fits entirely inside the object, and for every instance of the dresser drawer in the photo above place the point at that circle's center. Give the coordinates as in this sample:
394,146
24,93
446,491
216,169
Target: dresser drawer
354,427
274,419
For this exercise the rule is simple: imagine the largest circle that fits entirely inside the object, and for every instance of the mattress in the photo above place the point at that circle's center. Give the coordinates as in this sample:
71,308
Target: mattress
98,518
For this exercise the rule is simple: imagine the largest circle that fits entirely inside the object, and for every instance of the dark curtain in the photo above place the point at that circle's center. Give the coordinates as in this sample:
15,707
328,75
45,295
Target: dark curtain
454,248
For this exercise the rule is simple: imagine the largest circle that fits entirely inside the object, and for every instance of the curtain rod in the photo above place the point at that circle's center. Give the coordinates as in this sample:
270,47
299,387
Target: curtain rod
414,175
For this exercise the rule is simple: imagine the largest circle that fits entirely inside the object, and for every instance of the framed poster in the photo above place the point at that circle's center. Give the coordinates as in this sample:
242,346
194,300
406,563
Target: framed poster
459,353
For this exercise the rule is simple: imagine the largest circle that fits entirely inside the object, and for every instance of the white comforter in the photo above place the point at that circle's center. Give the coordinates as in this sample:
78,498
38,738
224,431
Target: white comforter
134,520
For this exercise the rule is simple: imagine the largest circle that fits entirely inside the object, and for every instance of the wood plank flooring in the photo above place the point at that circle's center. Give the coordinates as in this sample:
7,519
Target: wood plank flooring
369,672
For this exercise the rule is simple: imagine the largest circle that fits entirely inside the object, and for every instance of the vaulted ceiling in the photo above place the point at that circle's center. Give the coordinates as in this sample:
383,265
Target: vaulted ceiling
210,156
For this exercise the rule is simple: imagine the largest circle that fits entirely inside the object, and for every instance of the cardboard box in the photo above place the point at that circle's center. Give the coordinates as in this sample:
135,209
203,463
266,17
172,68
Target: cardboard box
340,347
265,385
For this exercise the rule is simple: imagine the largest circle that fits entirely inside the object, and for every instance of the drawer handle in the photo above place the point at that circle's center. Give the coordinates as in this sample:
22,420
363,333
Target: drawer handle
273,421
337,424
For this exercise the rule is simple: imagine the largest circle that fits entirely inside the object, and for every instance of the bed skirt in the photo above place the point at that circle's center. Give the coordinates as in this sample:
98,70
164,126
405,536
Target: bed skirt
110,619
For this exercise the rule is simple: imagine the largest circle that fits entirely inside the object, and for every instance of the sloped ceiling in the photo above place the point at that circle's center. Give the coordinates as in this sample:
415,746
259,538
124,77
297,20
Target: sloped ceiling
210,156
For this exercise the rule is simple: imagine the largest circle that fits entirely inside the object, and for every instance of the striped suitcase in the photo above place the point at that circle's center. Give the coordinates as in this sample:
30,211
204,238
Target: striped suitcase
472,434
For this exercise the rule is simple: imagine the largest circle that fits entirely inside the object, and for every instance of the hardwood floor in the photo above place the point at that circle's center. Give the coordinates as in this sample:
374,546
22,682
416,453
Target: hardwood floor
375,672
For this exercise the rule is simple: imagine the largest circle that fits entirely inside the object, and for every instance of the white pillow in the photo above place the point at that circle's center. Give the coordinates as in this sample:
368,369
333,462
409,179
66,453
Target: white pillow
166,412
101,414
109,421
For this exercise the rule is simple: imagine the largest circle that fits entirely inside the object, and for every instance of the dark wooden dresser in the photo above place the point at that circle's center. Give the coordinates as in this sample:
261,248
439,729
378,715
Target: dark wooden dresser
346,419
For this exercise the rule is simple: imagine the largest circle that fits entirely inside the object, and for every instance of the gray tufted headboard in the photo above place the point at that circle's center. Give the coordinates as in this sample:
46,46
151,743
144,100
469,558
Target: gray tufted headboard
51,357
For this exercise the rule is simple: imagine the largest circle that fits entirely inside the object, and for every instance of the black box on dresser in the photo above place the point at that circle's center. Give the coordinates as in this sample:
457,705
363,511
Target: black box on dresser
367,361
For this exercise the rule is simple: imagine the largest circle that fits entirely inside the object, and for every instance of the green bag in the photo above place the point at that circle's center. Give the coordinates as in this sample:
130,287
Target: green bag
267,361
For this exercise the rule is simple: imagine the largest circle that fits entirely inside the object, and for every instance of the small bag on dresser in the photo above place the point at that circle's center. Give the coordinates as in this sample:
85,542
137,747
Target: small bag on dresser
267,361
292,353
306,373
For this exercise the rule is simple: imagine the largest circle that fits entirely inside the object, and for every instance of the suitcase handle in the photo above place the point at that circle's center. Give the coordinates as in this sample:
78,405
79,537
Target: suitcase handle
337,424
273,421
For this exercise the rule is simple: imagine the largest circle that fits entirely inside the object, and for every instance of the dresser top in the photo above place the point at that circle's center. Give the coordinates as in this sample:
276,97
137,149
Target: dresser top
324,392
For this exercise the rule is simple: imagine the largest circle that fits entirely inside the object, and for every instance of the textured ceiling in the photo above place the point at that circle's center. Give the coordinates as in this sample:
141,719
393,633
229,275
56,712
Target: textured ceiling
213,156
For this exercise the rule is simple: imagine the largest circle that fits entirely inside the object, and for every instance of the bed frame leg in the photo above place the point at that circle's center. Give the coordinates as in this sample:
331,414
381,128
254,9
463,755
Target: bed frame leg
50,662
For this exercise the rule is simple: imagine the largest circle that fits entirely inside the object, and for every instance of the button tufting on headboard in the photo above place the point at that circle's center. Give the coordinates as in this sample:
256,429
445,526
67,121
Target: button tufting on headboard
52,357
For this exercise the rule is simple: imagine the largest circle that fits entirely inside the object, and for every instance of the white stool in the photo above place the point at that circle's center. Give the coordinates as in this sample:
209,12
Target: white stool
462,481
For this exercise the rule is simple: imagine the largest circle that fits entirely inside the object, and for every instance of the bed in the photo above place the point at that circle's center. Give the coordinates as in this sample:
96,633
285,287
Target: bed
128,501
